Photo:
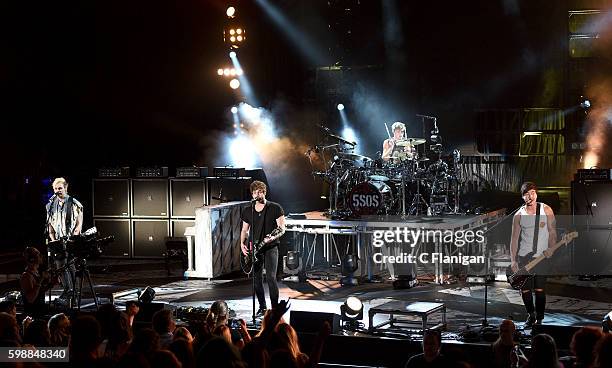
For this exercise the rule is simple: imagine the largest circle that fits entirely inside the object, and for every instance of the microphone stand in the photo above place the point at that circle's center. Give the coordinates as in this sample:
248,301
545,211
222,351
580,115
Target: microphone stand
252,250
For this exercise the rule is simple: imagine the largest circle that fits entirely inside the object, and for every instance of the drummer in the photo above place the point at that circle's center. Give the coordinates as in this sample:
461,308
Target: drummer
391,150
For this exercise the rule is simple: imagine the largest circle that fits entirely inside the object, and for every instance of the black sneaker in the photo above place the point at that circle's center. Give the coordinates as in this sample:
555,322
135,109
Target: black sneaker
531,320
261,311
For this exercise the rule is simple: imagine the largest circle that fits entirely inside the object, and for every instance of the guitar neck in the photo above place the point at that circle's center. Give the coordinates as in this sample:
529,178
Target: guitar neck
539,259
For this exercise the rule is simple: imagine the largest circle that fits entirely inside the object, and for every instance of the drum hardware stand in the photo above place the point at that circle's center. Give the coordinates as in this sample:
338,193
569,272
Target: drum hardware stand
417,200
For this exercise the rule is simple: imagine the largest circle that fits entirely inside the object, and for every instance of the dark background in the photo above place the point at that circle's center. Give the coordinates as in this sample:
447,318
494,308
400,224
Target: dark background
109,83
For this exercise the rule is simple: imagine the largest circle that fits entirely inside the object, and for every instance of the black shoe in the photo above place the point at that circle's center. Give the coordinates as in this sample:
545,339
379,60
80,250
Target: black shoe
539,321
261,311
531,320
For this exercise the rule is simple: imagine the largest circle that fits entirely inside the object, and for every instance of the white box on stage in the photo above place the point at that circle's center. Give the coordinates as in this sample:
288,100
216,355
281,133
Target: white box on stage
213,244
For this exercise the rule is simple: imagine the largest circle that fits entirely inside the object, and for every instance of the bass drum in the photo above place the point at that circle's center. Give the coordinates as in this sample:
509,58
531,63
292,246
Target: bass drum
370,198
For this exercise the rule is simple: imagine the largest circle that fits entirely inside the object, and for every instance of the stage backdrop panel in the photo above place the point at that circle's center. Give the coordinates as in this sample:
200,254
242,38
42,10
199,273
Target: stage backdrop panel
215,248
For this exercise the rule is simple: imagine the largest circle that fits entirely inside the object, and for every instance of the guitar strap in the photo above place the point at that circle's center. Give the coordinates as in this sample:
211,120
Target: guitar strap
68,219
536,229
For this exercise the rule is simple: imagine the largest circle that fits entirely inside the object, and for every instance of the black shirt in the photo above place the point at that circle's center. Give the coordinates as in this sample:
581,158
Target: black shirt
418,361
264,220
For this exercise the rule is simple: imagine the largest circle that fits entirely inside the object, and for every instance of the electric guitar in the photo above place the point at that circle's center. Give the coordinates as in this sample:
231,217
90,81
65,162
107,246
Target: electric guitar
253,255
519,278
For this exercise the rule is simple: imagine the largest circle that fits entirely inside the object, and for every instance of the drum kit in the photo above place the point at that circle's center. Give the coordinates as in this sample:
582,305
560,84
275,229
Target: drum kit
405,181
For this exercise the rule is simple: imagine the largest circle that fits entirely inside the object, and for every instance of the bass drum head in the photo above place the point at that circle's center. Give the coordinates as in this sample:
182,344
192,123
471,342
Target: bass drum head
365,199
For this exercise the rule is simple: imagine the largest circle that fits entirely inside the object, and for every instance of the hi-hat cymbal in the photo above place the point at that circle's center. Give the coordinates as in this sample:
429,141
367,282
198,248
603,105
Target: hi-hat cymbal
410,142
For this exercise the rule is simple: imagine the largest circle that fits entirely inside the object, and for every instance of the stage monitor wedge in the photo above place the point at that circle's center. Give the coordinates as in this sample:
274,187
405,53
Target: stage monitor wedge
111,197
150,198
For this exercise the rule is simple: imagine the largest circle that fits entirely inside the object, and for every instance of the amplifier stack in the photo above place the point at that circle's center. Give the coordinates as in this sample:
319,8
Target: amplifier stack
142,210
592,218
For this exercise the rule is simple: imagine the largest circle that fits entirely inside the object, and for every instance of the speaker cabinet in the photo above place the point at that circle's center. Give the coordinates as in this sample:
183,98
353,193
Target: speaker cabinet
185,196
177,227
303,321
222,190
150,198
121,230
593,252
150,237
592,203
111,197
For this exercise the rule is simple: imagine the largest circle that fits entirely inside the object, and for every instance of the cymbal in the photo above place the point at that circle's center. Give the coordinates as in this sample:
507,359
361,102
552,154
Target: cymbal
410,142
378,178
354,156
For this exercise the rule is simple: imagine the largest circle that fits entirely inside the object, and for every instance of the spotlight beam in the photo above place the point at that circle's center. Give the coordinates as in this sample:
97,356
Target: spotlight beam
245,85
304,44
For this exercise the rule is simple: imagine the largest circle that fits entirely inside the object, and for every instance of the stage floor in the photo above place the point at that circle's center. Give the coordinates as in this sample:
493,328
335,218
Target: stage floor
569,302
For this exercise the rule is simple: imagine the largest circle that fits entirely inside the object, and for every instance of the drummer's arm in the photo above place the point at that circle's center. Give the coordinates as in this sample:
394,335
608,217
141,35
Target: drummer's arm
387,149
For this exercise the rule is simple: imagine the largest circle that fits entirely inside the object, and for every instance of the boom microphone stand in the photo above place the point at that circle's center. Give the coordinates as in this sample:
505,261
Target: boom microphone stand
252,254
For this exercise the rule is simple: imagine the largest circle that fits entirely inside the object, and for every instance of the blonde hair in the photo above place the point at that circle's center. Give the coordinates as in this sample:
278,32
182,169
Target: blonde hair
60,181
289,338
398,125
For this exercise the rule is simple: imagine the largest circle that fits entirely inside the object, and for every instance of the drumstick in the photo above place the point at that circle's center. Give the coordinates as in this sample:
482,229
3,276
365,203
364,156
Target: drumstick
386,127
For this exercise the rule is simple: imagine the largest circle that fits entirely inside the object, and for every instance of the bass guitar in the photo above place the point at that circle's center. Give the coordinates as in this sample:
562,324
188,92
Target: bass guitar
519,278
254,253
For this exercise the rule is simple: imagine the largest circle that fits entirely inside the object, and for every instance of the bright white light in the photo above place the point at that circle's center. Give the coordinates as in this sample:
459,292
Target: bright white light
220,71
234,84
234,110
226,72
340,107
232,54
233,39
239,38
354,304
239,31
232,31
349,134
241,152
585,104
231,11
232,72
239,72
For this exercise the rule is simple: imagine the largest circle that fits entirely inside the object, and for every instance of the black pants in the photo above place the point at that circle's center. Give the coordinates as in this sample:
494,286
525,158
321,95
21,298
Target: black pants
537,282
270,262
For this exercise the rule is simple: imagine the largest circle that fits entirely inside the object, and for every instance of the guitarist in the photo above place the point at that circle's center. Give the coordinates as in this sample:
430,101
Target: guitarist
269,216
529,241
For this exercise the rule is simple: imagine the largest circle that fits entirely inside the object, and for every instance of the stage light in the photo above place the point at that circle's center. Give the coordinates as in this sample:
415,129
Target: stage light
351,312
234,110
239,31
232,72
226,72
239,38
232,32
233,39
606,324
220,71
147,295
234,84
231,11
239,72
340,107
585,104
232,54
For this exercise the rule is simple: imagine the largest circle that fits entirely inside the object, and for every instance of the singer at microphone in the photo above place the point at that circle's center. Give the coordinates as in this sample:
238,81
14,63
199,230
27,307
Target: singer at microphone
263,223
